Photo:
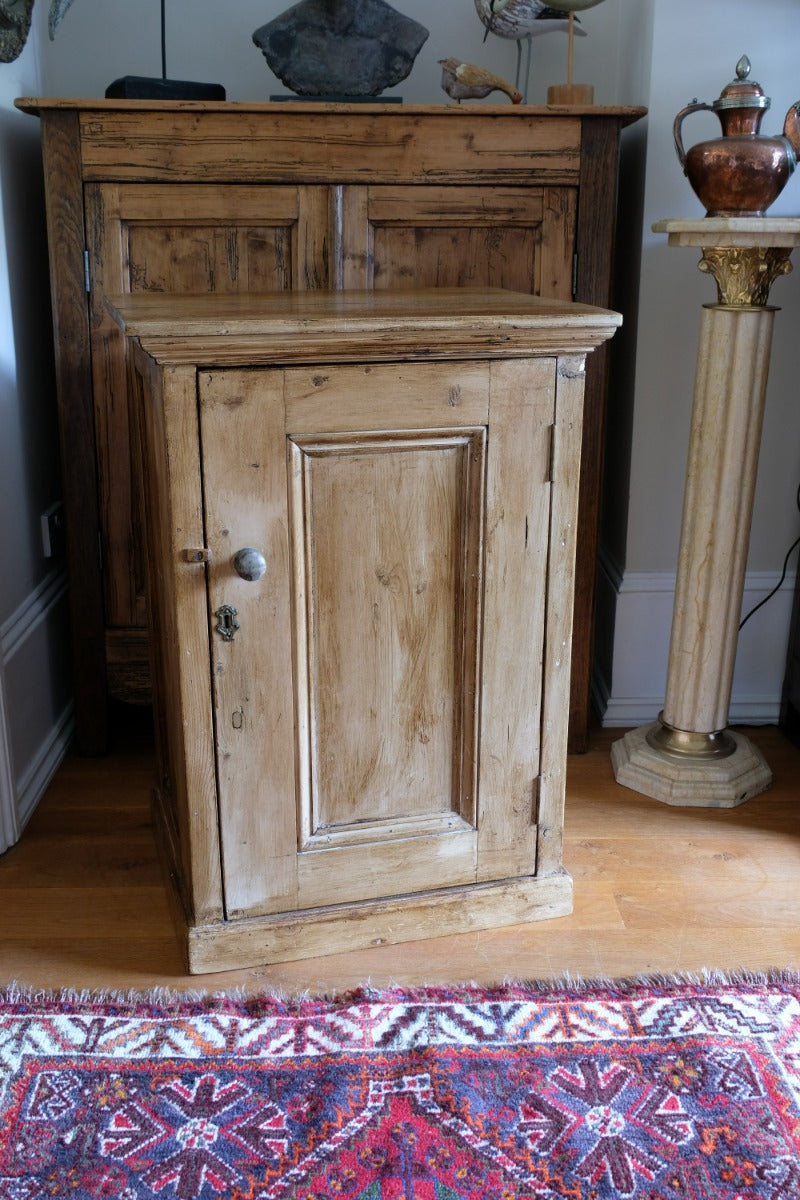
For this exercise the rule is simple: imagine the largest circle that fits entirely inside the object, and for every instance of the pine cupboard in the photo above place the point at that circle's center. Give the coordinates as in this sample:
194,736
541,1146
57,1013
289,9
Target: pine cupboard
146,196
360,522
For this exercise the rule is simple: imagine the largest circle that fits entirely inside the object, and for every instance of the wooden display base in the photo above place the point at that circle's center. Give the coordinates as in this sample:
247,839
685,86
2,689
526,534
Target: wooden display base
570,93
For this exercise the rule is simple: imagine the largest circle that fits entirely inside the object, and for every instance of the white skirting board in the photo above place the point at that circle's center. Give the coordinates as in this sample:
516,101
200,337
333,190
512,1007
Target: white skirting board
36,708
633,629
9,820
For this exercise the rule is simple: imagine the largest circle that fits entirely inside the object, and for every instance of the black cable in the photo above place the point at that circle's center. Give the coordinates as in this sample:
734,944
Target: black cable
163,40
779,584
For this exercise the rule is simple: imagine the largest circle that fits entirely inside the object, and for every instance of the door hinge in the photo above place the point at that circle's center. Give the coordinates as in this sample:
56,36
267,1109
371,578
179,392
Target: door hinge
551,456
574,274
87,276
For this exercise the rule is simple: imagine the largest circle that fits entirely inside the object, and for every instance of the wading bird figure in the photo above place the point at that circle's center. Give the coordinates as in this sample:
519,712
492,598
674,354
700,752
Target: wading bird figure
521,21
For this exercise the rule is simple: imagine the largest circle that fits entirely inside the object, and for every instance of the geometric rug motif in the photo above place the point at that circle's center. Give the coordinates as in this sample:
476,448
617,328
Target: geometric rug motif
643,1090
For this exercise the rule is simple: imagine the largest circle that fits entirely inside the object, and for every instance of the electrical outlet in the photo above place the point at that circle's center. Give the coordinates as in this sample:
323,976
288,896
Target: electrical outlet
53,530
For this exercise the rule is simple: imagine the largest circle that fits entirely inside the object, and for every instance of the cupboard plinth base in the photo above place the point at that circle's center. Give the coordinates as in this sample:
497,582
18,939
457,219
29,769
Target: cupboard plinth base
686,781
288,937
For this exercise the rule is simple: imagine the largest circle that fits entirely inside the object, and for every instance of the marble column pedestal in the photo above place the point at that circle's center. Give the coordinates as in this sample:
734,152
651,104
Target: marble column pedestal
689,756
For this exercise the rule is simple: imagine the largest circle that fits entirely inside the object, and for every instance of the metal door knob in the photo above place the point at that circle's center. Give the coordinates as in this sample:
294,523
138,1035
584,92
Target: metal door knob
249,563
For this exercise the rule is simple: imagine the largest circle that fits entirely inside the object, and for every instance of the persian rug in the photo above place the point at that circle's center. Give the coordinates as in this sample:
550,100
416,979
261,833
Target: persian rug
653,1090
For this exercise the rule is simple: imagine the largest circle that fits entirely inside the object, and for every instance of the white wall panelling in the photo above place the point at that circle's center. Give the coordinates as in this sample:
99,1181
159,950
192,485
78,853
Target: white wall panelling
638,665
35,702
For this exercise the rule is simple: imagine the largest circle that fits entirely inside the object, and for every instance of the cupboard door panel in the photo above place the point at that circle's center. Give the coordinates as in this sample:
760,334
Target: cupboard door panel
387,531
208,258
194,238
522,239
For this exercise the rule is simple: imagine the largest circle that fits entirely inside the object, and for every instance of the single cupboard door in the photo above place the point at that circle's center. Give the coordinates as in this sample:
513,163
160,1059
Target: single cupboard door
377,684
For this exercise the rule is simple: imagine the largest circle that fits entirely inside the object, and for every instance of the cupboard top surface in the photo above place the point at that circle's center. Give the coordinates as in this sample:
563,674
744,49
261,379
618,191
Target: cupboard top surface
37,104
437,321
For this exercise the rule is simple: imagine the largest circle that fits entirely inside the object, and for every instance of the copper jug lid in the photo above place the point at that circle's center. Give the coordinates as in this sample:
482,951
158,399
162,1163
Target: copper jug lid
741,92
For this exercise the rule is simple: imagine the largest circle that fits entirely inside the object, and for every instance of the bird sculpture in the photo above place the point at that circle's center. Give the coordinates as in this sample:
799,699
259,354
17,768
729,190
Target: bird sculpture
521,21
466,81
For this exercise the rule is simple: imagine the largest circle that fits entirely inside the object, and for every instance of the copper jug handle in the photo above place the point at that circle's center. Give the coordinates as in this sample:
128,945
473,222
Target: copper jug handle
695,106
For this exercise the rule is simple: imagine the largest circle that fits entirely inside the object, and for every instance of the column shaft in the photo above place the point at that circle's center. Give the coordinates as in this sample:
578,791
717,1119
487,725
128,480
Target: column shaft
730,389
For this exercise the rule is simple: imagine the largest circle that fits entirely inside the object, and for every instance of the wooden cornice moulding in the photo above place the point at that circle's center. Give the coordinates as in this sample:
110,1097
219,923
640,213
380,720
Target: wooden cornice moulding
448,323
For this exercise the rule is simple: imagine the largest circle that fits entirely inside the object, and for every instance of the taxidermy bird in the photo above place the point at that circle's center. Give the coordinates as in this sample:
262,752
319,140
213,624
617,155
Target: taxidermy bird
521,21
466,81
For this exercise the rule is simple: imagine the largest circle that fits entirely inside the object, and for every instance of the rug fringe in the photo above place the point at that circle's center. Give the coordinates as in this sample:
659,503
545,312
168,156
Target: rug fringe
21,993
510,988
705,977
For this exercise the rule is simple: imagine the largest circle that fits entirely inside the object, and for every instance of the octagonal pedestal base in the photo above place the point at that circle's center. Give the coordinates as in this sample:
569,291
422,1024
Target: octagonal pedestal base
690,782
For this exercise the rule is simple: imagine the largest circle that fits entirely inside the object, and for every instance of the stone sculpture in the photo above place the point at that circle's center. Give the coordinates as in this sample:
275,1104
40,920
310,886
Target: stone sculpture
15,23
340,47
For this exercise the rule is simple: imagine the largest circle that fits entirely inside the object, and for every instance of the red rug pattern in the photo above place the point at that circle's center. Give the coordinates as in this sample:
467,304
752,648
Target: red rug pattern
647,1091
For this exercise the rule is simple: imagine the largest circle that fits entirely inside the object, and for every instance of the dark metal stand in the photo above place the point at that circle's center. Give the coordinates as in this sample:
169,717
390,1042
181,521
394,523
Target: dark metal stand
140,87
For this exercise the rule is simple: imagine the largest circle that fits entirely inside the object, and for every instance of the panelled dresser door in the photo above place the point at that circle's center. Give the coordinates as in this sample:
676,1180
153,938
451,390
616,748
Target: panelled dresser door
377,687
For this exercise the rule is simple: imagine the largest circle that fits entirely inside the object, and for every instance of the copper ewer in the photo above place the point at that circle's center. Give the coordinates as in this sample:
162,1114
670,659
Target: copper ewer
741,173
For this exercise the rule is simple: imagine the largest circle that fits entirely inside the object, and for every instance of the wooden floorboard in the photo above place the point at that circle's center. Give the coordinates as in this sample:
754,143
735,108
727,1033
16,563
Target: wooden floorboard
83,902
